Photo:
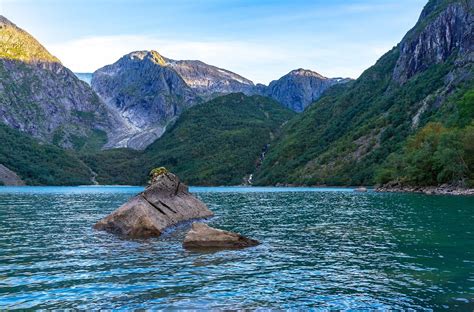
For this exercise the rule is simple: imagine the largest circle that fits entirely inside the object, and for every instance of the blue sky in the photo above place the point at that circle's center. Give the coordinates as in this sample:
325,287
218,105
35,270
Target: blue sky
259,39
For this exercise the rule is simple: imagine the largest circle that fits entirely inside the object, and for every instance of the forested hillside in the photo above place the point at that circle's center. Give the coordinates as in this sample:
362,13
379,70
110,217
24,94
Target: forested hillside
347,136
40,164
216,143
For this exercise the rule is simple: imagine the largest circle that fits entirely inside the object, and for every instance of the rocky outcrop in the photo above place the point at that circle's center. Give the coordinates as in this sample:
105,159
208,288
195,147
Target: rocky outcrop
429,190
164,203
41,97
299,88
8,177
202,236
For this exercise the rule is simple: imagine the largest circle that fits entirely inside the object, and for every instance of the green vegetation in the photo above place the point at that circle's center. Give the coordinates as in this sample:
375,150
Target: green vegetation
93,142
346,136
442,151
155,173
434,155
119,166
16,44
215,143
40,164
408,119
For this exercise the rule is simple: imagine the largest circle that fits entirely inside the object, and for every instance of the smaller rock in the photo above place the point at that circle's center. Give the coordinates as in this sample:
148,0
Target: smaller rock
361,189
202,236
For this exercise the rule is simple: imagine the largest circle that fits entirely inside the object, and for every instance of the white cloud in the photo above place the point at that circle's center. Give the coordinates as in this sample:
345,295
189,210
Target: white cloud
258,62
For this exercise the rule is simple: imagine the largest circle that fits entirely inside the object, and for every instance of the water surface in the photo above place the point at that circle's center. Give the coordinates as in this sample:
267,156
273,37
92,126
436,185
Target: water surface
321,248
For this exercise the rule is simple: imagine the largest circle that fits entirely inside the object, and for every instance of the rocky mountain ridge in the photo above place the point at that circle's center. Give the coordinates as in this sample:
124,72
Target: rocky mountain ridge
147,94
150,91
139,95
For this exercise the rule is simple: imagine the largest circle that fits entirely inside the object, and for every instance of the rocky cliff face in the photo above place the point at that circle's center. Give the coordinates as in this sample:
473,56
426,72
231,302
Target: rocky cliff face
145,92
444,28
299,88
41,97
443,36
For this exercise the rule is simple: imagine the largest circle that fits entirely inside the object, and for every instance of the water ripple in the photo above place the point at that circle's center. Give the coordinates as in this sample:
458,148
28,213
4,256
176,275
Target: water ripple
324,249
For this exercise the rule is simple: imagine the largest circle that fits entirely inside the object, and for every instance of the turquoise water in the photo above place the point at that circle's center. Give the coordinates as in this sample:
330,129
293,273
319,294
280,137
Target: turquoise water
321,248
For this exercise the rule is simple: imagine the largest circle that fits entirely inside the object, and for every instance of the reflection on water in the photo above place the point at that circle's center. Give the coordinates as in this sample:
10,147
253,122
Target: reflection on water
326,248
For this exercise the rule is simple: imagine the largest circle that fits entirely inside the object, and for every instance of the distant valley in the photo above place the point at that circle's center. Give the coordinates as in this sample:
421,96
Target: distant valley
86,77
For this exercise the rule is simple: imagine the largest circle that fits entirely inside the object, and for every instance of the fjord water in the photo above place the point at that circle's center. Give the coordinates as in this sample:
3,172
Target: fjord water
321,248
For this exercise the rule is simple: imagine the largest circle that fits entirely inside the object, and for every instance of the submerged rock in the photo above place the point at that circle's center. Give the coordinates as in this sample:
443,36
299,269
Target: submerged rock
164,203
202,236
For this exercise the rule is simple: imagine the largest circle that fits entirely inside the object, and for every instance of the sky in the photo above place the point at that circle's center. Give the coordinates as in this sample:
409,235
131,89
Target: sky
261,40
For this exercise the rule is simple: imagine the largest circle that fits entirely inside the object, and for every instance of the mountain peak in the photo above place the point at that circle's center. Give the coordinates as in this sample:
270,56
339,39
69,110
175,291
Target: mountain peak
152,55
306,73
16,44
299,88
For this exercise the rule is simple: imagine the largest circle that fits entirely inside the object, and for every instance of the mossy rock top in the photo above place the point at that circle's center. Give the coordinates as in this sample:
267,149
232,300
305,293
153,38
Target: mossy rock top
156,172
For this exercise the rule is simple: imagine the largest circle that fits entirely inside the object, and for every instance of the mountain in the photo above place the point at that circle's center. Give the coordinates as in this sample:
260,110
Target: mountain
399,105
145,92
41,97
86,77
209,81
220,142
299,88
150,91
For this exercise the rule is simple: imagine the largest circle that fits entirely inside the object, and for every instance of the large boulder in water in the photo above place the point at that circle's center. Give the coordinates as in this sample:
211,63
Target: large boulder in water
202,236
165,202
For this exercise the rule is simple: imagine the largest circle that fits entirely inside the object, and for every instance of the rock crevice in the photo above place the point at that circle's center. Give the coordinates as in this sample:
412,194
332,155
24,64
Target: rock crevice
164,203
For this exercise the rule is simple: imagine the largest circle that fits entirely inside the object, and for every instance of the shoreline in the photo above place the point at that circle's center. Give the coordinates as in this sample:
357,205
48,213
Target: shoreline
428,190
